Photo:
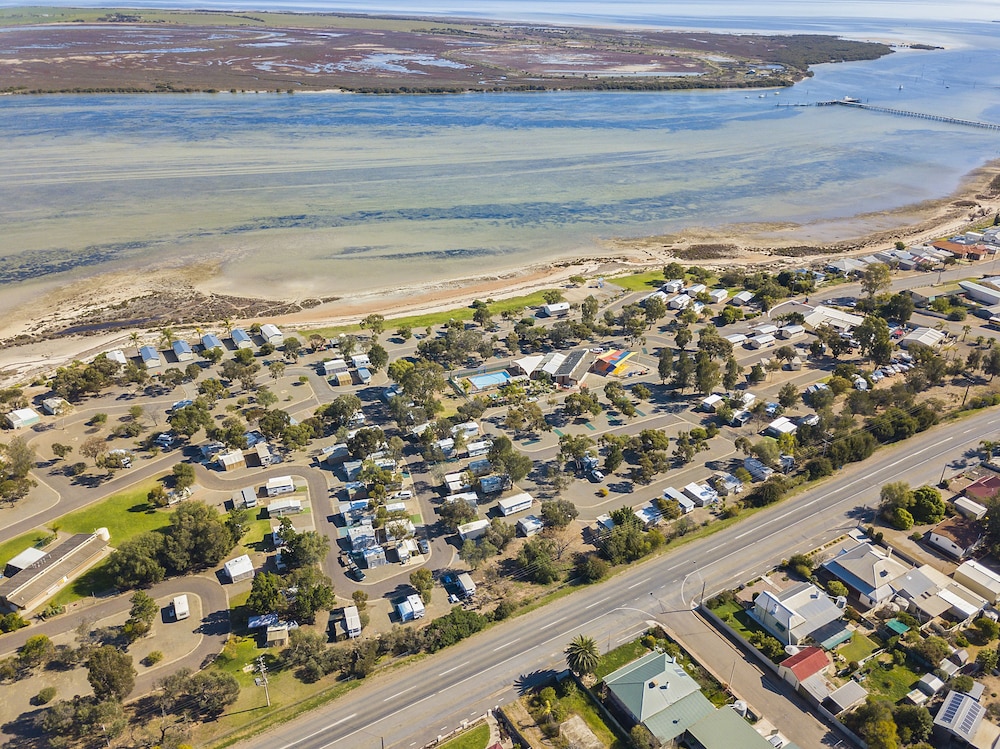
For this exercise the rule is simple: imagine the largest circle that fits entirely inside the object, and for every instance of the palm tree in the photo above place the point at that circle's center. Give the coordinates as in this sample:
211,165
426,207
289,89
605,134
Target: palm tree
167,335
227,325
966,329
134,339
582,654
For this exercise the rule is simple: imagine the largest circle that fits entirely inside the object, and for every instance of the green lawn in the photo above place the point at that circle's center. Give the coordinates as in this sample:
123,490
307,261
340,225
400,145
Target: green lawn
474,739
125,515
647,281
859,648
893,683
419,322
738,619
10,549
615,659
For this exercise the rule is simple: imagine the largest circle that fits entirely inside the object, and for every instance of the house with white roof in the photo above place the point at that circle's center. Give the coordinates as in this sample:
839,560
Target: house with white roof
797,613
271,334
980,579
559,309
117,355
924,336
238,569
701,494
23,417
279,485
868,571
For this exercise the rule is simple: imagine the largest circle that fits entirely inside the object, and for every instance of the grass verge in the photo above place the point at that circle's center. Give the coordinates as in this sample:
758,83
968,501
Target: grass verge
474,739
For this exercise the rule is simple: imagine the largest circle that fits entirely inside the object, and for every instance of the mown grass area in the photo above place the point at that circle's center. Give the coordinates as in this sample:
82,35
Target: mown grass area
648,281
859,648
125,515
419,322
893,683
474,739
13,547
615,659
733,614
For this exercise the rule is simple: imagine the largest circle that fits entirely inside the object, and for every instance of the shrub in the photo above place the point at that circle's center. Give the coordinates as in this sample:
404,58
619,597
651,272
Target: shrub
153,658
44,695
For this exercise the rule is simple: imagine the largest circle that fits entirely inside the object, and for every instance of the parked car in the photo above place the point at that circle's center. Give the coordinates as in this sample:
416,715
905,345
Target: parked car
357,574
424,545
596,475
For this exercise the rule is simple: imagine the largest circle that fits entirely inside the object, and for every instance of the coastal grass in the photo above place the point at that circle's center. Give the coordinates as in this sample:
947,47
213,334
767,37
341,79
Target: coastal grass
13,547
473,739
430,319
648,281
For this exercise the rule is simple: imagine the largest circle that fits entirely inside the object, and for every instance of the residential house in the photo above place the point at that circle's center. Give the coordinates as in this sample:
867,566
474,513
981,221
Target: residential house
848,696
182,350
655,690
240,568
984,488
724,729
807,662
867,571
23,417
960,717
956,536
271,334
929,594
334,454
980,579
799,612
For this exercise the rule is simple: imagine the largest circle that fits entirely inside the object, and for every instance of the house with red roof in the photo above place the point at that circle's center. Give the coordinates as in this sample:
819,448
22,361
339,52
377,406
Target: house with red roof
983,488
807,662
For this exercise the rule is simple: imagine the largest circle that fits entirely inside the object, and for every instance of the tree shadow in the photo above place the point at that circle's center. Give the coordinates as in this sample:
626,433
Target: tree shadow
526,683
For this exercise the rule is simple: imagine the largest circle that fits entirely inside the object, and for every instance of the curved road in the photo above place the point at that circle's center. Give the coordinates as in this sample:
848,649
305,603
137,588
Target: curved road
414,705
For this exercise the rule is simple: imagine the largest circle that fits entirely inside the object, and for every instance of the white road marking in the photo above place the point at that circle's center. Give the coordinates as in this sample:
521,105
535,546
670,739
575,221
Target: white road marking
506,644
454,668
553,623
596,603
388,699
637,584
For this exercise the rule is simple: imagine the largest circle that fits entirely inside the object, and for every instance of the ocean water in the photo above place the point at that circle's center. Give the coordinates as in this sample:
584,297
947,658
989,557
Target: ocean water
338,193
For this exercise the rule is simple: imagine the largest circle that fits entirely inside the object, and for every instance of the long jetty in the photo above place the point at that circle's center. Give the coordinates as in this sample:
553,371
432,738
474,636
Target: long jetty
904,113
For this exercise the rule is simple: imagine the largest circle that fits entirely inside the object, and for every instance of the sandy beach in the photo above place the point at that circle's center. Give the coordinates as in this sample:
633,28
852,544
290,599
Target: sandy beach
195,291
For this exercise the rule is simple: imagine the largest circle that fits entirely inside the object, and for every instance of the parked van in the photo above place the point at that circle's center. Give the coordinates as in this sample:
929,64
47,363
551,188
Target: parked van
180,606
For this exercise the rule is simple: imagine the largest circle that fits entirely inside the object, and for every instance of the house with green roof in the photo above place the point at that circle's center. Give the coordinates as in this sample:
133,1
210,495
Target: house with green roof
658,692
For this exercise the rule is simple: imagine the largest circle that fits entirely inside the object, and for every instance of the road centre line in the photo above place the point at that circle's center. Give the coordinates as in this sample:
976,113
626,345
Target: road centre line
596,603
454,668
553,623
387,699
505,645
637,584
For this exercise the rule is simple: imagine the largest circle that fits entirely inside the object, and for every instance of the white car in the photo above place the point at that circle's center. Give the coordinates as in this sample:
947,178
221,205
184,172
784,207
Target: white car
402,495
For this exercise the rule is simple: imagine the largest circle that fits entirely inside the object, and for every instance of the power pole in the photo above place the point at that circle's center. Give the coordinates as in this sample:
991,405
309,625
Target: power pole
262,667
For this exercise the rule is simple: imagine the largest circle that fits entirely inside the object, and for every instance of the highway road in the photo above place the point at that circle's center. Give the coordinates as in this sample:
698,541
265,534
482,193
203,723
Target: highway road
415,704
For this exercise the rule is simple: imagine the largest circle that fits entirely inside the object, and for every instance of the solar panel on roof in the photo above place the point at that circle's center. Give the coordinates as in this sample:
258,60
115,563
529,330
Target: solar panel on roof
952,707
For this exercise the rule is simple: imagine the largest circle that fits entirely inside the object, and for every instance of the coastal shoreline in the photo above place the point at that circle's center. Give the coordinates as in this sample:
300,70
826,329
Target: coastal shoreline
762,245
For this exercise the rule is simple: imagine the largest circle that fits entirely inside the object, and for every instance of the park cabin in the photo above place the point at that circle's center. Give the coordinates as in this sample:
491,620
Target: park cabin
679,302
515,504
210,341
711,403
279,485
466,585
246,498
232,460
473,530
743,297
240,568
791,331
352,622
559,309
54,406
271,334
758,342
150,357
282,507
695,289
117,355
182,350
530,525
672,287
410,608
241,339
